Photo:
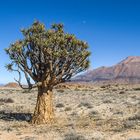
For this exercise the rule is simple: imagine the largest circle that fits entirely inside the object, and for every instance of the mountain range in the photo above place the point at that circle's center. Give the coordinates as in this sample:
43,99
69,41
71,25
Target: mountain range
126,71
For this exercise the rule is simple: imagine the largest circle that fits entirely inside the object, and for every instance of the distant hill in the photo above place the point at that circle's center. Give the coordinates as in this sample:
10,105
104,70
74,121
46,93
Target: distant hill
1,84
12,85
126,71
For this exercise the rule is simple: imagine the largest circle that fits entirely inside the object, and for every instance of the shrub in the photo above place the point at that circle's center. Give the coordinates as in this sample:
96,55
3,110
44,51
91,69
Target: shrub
135,117
136,88
77,89
59,105
9,100
114,89
121,92
92,114
73,136
26,91
60,90
85,104
107,101
105,86
68,109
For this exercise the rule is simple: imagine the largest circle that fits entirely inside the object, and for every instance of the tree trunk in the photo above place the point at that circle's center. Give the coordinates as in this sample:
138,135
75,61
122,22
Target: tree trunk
44,112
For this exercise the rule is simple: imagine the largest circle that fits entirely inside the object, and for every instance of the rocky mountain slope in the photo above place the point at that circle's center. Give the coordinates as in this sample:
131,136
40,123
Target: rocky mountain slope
126,71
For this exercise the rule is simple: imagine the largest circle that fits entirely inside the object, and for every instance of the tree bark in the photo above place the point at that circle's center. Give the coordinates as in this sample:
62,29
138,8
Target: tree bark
44,112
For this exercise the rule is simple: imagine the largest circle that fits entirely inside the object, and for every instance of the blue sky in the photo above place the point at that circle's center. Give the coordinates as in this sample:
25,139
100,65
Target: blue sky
111,27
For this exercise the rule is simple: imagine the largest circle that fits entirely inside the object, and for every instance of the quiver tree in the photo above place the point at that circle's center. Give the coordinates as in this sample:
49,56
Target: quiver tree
47,57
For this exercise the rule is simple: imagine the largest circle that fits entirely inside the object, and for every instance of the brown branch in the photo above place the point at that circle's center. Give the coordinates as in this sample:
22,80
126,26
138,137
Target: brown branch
30,86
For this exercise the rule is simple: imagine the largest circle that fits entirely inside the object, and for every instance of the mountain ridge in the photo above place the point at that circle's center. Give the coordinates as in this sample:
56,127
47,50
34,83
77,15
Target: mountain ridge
126,71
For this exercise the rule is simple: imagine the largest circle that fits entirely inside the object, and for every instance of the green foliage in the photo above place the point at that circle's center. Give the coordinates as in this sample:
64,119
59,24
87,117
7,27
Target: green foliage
49,55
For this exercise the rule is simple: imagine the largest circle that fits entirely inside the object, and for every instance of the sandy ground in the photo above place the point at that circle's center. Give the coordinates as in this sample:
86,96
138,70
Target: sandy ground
95,113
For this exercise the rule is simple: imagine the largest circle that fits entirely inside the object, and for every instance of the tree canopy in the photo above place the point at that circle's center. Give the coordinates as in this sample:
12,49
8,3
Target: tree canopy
47,56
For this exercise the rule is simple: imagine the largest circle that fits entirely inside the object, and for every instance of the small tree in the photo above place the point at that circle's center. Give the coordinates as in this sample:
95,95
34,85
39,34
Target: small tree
48,57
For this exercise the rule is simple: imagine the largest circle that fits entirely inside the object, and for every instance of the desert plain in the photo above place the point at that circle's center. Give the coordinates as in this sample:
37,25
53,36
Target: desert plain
82,112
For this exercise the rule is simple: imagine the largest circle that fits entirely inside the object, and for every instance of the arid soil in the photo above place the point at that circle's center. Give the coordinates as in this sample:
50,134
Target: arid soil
81,113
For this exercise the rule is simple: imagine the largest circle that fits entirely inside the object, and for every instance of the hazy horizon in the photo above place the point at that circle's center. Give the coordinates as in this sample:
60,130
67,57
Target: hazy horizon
111,28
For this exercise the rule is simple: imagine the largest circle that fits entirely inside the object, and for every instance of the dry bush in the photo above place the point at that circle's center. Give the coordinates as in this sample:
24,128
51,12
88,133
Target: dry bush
93,114
26,91
8,100
107,101
114,89
105,86
60,90
59,105
68,109
85,104
135,117
73,136
122,92
128,124
138,88
77,89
